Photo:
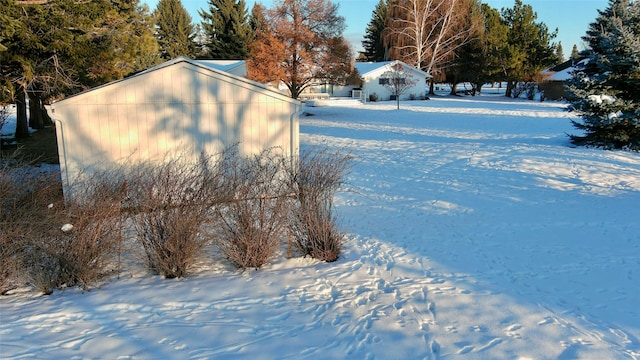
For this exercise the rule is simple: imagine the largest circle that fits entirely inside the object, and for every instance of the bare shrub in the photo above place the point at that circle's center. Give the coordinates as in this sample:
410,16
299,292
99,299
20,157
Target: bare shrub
87,248
9,234
91,248
25,193
252,225
315,179
32,241
171,202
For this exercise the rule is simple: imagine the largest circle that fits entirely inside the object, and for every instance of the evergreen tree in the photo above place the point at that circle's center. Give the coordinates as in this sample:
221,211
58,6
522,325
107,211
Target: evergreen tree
560,53
174,30
574,52
492,51
9,23
64,46
373,43
468,58
529,47
9,26
227,28
118,32
607,87
258,19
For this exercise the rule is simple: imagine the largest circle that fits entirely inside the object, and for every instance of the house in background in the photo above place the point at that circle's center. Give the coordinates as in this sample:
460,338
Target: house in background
179,106
373,80
555,79
233,67
374,77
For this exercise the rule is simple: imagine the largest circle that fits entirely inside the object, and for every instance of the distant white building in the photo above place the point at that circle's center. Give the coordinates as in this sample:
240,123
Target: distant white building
233,67
180,105
373,79
371,74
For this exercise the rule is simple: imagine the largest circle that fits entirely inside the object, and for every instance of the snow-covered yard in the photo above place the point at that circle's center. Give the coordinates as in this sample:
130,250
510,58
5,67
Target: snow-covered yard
475,232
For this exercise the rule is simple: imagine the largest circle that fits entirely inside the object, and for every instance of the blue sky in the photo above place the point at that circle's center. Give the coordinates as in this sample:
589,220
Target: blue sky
571,17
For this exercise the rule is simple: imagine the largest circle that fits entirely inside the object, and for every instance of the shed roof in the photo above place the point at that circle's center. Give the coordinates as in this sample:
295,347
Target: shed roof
203,65
372,68
564,71
224,65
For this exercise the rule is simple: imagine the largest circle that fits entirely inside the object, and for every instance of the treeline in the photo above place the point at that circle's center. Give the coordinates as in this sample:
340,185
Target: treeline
50,49
53,48
462,41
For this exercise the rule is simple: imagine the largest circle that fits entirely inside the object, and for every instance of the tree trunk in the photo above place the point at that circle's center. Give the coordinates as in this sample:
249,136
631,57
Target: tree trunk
36,120
454,89
432,90
22,124
477,89
509,91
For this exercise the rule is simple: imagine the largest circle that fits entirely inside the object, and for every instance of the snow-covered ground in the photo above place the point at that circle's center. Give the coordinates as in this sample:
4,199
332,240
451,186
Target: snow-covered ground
475,231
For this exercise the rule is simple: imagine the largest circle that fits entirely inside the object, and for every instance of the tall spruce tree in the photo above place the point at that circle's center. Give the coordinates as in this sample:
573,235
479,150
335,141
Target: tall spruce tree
493,49
174,30
574,52
227,29
373,43
560,53
529,44
607,87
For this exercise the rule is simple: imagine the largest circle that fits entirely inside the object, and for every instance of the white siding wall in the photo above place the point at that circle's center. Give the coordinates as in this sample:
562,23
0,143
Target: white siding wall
177,108
371,85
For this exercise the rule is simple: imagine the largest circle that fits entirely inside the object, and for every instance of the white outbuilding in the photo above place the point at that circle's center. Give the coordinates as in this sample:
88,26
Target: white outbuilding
180,105
375,75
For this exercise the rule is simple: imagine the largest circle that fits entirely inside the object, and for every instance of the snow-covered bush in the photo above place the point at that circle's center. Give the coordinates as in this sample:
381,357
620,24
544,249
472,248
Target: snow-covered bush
314,181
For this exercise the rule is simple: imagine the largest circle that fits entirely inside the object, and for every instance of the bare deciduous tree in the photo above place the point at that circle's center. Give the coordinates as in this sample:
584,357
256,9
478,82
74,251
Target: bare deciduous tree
397,80
426,33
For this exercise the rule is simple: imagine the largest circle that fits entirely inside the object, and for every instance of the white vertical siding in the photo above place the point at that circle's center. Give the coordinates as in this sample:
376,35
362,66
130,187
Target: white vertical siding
176,108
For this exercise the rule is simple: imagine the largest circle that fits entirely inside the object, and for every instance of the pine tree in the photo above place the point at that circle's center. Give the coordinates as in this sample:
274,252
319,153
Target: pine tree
560,53
607,86
120,33
174,30
494,47
574,52
64,46
227,28
9,26
9,23
373,43
529,43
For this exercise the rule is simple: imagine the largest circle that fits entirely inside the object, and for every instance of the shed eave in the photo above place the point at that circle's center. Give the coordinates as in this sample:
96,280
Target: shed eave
249,83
